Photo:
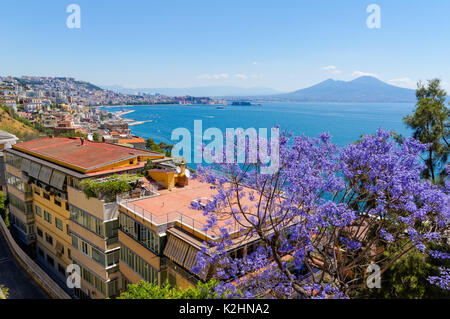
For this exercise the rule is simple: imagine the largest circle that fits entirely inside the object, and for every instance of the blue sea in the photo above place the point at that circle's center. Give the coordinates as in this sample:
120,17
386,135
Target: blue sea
346,122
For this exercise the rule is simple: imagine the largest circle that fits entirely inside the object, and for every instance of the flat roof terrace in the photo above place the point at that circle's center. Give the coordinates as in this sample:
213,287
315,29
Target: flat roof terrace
173,206
84,156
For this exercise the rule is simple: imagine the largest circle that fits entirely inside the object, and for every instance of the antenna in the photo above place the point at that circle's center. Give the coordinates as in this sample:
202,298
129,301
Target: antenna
187,173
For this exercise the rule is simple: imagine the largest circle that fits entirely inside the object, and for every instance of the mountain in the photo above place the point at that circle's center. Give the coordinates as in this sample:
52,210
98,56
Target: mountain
197,91
365,89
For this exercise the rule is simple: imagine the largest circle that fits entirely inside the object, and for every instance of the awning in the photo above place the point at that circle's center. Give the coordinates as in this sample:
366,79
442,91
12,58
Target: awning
176,249
34,170
57,180
191,258
25,165
45,174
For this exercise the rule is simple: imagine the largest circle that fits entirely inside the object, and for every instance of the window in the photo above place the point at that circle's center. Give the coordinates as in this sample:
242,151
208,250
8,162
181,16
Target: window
139,232
49,239
113,258
38,211
75,241
46,196
15,182
14,160
84,247
87,221
39,232
113,287
98,256
57,202
40,252
146,271
16,202
69,253
58,223
93,280
47,216
61,269
50,260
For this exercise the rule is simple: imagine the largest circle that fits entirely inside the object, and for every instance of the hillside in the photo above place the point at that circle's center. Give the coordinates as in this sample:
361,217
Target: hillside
19,129
364,89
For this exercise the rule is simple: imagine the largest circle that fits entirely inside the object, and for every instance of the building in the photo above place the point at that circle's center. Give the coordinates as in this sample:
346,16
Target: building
6,141
147,232
55,220
160,235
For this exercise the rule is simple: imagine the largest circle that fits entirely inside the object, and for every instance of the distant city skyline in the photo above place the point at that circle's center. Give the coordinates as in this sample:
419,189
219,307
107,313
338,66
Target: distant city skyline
286,45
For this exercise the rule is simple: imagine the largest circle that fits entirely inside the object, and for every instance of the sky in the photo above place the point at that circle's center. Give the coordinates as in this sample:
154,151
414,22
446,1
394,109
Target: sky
284,44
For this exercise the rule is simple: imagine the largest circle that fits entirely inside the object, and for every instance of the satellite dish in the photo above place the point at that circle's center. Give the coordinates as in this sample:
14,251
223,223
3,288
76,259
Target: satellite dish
178,170
187,173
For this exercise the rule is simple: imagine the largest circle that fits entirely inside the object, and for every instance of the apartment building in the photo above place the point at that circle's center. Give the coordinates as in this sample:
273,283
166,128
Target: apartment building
55,220
160,235
149,233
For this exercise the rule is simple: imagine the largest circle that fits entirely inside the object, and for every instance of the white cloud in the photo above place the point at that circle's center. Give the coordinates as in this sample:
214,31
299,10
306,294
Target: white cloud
329,68
359,73
254,63
241,76
333,69
213,76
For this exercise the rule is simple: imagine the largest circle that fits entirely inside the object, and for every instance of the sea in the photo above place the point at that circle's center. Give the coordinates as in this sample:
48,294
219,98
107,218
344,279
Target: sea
346,122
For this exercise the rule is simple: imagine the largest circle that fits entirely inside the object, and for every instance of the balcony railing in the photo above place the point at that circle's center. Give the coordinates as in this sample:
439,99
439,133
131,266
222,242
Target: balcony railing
162,222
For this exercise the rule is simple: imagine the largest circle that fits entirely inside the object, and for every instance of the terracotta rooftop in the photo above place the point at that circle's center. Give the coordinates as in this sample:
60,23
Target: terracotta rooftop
169,205
131,140
71,153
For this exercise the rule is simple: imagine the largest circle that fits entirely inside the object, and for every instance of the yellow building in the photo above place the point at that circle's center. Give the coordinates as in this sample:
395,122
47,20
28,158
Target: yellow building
56,220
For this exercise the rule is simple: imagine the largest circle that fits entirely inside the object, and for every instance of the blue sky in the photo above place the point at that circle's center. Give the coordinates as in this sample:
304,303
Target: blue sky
285,44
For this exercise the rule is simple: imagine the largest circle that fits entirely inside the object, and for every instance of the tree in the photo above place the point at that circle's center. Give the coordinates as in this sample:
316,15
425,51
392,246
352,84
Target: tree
323,217
160,148
95,137
4,292
408,279
430,123
146,290
3,210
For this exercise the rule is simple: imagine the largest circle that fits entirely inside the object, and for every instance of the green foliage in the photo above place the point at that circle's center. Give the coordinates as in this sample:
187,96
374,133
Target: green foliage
160,148
407,279
96,137
430,123
3,210
73,134
145,290
109,187
5,292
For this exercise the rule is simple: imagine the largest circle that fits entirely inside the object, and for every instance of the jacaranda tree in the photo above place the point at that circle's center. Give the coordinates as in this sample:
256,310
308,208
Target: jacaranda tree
325,219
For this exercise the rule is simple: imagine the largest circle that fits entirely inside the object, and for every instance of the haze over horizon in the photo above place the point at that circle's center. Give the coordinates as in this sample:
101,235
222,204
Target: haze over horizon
201,44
